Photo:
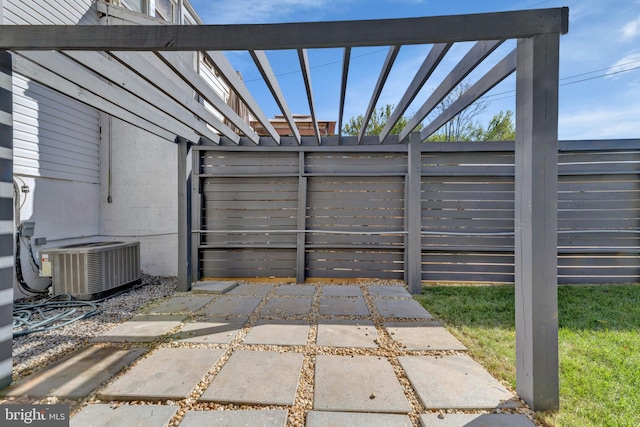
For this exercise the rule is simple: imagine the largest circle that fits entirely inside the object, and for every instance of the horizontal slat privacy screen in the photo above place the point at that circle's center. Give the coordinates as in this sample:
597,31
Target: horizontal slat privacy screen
331,214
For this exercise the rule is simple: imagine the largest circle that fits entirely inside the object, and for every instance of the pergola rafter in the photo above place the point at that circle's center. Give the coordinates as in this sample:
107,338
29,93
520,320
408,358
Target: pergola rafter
260,58
431,62
236,84
467,64
382,78
128,90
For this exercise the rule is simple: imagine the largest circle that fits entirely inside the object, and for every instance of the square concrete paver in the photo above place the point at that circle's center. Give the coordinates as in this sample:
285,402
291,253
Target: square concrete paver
348,419
401,308
283,307
346,333
168,373
250,418
279,332
213,287
388,291
476,420
453,382
423,336
331,306
232,306
103,415
212,330
76,376
341,291
142,328
251,289
296,290
357,384
256,377
182,304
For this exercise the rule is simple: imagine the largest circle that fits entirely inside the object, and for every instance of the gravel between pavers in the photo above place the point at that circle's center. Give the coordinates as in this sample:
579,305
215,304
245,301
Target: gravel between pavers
35,351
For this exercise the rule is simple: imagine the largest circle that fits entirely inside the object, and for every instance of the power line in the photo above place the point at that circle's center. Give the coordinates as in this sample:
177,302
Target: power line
572,77
602,75
286,73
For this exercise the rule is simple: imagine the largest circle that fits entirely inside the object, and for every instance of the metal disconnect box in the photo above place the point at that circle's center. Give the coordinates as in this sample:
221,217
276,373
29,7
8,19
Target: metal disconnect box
90,270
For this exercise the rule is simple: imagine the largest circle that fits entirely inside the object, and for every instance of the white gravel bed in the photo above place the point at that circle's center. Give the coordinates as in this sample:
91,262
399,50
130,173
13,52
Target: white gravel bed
42,348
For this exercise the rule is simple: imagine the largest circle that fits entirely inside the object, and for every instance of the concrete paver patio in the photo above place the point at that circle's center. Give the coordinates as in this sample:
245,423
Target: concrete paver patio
334,355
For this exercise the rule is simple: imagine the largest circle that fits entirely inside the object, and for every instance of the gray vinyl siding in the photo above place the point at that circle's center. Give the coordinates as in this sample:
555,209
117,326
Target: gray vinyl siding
54,12
54,135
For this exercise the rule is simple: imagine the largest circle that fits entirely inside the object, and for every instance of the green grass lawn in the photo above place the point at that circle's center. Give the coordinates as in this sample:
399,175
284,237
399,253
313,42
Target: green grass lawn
599,345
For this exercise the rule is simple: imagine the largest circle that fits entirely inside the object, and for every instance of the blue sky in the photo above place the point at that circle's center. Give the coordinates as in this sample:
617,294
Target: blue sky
599,59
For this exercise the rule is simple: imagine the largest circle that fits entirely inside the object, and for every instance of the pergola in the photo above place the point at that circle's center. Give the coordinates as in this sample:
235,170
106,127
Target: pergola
124,71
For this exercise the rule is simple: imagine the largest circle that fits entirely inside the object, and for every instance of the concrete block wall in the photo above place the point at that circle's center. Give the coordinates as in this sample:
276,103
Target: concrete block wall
138,198
64,212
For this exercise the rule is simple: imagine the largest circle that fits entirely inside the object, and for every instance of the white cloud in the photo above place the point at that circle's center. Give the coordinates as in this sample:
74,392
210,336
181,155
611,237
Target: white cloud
258,11
621,122
630,30
626,63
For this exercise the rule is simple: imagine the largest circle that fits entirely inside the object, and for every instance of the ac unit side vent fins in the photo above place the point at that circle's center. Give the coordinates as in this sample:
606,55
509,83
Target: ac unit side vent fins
93,269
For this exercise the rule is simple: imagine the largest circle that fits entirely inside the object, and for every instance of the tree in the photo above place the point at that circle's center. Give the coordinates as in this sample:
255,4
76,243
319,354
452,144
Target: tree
463,127
500,128
377,122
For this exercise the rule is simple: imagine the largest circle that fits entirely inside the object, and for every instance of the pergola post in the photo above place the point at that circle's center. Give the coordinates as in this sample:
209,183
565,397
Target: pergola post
301,238
536,221
413,215
6,219
184,217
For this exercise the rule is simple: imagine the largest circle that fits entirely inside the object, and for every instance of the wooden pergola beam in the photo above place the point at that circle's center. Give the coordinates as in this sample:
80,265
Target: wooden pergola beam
195,80
262,62
241,90
499,72
120,76
392,54
305,35
306,76
62,85
151,68
467,64
429,65
343,87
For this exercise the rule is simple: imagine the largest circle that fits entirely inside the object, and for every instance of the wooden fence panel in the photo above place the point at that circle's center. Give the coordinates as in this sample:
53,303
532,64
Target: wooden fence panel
246,263
352,263
342,214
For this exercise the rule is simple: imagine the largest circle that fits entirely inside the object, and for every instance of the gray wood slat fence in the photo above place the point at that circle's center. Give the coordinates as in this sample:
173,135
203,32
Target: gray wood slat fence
334,213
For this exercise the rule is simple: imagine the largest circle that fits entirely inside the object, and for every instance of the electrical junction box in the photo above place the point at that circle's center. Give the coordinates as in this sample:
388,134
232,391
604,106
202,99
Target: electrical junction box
27,228
45,265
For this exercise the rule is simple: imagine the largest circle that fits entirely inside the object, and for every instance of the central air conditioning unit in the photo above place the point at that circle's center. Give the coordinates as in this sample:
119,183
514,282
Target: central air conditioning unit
92,270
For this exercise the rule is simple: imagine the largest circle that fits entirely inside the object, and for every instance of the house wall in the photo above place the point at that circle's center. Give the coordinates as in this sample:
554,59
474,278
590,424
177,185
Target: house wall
89,176
56,148
139,181
139,194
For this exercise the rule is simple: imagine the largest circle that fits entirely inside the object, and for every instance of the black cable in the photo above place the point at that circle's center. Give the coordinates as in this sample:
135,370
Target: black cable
19,276
33,258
